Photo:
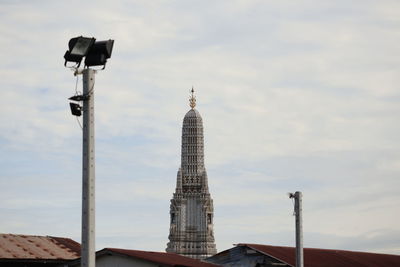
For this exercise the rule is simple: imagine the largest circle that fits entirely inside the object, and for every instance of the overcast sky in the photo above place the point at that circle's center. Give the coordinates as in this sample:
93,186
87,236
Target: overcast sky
294,95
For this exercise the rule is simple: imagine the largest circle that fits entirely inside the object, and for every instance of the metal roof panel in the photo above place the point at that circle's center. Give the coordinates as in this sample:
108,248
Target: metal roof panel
315,257
170,259
37,247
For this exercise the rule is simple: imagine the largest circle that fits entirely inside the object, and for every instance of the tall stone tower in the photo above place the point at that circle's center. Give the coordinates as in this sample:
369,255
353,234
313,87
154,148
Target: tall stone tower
191,231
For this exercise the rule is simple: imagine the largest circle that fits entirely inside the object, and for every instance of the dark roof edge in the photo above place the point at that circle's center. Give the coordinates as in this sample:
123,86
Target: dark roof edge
262,252
33,260
119,251
321,249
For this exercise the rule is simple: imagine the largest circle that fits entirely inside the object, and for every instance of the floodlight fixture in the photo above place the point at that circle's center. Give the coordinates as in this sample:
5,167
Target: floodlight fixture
78,48
79,98
82,45
76,109
99,53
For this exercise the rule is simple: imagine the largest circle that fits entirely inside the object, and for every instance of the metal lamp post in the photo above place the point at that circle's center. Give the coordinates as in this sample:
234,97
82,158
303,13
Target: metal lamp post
298,210
96,54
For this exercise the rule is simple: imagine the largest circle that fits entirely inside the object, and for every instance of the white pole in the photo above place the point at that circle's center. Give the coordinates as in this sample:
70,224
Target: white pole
88,172
299,228
298,212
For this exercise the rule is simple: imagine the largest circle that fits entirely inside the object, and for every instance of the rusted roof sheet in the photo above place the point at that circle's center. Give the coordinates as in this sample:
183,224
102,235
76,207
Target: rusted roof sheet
314,257
169,259
38,247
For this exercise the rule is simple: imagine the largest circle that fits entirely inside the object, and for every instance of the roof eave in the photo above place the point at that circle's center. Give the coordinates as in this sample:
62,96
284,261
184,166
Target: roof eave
262,252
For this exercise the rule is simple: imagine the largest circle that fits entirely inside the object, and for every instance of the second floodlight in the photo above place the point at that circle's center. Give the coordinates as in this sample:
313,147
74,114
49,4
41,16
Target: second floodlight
99,53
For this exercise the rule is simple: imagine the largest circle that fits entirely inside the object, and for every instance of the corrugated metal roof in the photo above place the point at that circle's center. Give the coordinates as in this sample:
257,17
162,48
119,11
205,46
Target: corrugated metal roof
38,247
314,257
169,259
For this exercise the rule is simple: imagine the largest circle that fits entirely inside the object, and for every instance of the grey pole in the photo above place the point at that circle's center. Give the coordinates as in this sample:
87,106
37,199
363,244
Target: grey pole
298,210
88,172
299,229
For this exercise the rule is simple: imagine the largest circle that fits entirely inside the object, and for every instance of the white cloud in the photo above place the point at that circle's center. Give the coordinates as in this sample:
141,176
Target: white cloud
294,96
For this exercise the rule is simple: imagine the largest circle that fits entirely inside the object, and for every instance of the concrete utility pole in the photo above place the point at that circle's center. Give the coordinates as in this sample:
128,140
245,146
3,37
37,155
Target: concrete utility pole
298,210
88,172
95,54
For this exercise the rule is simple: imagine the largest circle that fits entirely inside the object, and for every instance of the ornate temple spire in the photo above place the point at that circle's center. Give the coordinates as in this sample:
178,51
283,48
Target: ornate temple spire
192,99
191,227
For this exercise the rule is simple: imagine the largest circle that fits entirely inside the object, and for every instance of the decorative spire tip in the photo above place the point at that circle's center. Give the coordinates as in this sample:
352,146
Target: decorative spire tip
192,99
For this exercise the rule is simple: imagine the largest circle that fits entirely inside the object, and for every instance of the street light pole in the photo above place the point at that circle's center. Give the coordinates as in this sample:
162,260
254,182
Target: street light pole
298,212
95,54
88,172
